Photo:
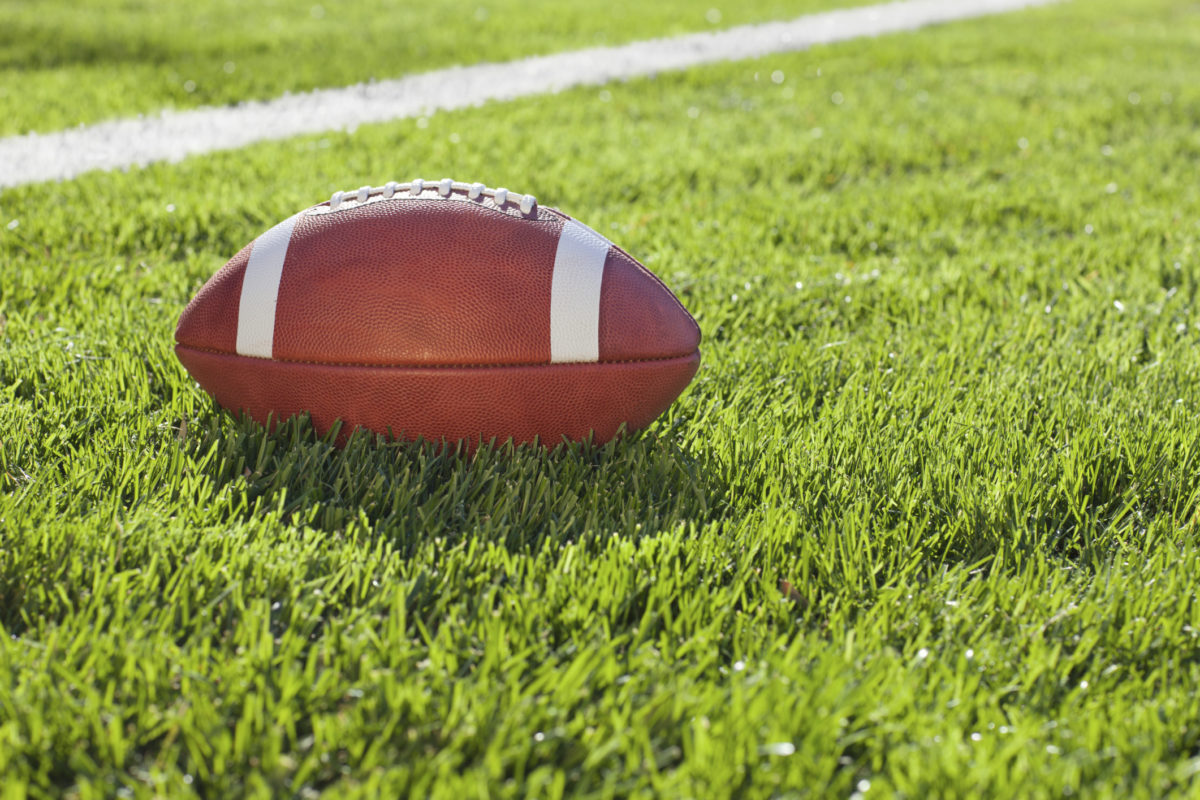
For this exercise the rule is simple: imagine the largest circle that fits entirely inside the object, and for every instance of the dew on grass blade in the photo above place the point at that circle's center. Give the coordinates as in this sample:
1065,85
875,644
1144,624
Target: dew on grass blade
778,749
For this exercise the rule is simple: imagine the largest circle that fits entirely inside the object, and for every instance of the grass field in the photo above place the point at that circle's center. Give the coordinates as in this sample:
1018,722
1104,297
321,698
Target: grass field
63,62
924,525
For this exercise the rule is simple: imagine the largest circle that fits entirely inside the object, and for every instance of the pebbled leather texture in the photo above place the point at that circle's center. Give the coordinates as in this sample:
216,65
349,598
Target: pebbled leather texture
441,282
211,319
431,316
639,316
546,403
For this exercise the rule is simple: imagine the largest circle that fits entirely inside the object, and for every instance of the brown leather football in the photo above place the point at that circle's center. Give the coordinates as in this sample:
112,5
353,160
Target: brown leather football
444,311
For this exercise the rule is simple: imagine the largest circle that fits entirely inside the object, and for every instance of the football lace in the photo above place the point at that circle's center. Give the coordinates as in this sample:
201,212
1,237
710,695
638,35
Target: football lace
445,187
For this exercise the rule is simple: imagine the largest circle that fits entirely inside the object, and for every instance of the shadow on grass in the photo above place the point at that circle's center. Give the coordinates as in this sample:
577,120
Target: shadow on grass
521,496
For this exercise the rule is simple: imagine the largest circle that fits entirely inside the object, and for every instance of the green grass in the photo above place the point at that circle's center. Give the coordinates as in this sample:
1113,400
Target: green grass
65,62
924,525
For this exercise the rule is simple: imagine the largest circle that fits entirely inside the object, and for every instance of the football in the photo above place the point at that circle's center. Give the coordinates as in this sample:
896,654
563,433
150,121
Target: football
443,311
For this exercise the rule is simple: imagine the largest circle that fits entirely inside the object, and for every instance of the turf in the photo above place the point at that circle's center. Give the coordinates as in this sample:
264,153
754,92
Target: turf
924,525
65,62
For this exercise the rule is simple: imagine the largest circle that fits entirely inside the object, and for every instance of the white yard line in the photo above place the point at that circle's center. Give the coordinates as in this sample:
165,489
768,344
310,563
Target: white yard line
173,135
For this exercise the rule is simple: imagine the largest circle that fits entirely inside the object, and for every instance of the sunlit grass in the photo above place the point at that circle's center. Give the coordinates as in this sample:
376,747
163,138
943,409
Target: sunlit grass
65,62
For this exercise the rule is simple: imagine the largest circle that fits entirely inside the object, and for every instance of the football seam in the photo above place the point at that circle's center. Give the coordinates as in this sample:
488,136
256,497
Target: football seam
537,217
214,351
446,188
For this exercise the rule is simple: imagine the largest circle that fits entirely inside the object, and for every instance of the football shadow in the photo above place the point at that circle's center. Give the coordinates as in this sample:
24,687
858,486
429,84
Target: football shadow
523,497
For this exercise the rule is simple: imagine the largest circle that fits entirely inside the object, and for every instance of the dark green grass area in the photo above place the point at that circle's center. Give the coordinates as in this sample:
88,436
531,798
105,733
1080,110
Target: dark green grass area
65,62
924,525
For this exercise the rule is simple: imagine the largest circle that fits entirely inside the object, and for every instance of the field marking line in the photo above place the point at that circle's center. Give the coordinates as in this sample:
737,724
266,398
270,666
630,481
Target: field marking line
174,135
